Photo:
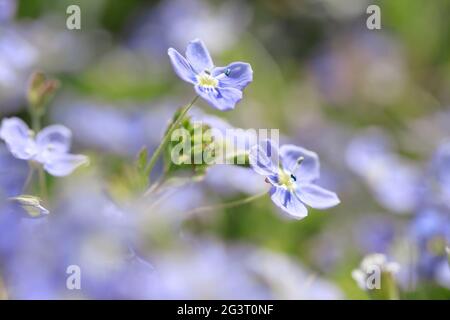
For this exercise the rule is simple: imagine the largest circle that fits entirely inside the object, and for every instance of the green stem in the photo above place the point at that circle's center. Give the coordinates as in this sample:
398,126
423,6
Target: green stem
36,126
166,138
35,120
28,179
42,183
227,205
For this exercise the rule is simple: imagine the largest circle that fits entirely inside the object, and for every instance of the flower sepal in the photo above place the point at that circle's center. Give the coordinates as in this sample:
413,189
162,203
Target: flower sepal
31,205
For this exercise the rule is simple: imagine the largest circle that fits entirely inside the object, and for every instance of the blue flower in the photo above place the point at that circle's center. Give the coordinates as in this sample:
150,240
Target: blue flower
291,173
49,148
394,182
430,229
219,86
441,168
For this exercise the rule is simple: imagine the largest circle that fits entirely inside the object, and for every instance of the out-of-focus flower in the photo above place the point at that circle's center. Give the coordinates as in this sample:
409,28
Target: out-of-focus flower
208,270
39,44
229,179
49,148
441,168
288,279
31,204
374,234
431,231
377,273
113,130
7,9
175,22
381,75
292,174
221,86
13,174
394,182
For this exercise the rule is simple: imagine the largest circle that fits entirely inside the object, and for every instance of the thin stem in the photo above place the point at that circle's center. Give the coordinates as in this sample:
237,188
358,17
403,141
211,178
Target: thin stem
165,140
28,179
42,183
35,120
227,205
36,125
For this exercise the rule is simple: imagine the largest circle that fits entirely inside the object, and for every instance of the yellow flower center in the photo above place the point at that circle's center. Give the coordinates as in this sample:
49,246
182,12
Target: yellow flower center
286,180
207,81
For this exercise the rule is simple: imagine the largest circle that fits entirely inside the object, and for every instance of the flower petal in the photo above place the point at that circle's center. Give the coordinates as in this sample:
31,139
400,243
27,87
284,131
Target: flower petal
263,158
18,138
222,99
198,56
55,137
64,164
181,67
308,170
289,202
317,197
236,75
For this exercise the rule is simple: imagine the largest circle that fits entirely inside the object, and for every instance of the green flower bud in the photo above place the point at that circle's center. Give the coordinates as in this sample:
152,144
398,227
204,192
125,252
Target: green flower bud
40,91
31,205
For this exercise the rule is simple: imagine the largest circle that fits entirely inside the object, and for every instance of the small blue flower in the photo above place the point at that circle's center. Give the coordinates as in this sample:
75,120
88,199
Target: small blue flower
441,168
221,86
50,146
292,173
394,182
430,230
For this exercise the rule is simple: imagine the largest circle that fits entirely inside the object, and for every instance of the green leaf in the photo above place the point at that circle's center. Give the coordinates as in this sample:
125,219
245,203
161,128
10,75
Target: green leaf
142,159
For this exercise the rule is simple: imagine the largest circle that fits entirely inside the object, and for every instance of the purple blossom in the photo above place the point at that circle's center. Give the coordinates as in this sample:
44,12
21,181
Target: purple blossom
431,231
441,168
220,86
394,182
49,148
292,174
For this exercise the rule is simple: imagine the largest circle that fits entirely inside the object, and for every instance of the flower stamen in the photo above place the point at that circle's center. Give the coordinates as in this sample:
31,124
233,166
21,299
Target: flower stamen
205,80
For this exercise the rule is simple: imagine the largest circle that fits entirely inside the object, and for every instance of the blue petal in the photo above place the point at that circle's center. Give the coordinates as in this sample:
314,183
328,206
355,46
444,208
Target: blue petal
289,202
64,164
18,138
221,98
317,197
263,158
198,56
309,168
54,137
181,66
236,75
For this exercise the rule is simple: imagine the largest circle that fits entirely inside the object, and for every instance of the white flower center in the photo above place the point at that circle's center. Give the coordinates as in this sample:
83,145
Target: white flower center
206,80
286,179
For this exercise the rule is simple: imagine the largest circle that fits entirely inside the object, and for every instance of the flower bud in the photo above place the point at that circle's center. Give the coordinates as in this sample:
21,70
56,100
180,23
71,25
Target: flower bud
40,90
31,205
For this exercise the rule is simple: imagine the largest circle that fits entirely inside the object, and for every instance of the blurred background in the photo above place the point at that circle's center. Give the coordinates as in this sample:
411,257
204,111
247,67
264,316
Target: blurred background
374,105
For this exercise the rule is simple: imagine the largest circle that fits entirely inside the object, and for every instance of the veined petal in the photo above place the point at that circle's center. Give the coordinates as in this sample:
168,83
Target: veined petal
222,99
263,159
181,66
308,170
18,138
236,75
55,137
64,164
289,202
198,56
317,197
